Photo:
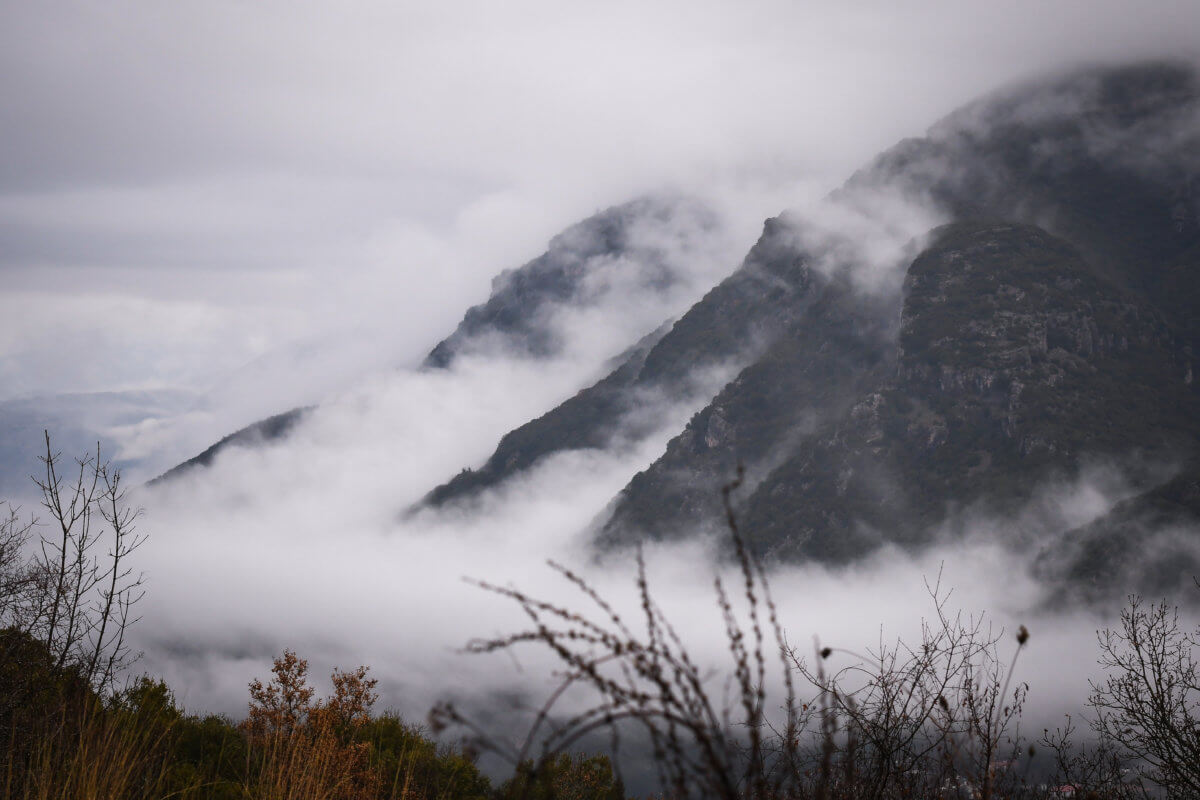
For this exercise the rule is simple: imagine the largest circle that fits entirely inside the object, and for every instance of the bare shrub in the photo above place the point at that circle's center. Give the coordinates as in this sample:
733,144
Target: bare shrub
1148,706
1093,768
76,592
937,719
924,719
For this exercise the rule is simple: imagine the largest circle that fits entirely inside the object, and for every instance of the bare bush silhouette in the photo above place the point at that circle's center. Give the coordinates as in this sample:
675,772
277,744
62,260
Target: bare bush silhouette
936,719
76,592
1148,706
1094,768
923,719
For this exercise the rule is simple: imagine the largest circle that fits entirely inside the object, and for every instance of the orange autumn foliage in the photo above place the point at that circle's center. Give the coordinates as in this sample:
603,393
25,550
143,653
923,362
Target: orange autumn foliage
307,748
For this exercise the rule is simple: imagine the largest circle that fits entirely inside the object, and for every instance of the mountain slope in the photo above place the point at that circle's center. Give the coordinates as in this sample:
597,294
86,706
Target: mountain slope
735,320
1150,540
648,248
267,430
624,250
1089,355
1016,362
1108,159
810,374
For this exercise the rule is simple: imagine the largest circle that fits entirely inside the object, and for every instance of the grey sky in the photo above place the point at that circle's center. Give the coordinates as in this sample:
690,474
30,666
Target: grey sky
262,174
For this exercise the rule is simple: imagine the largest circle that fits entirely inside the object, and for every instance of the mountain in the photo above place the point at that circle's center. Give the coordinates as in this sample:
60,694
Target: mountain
730,323
1108,159
1015,363
1051,324
266,430
813,370
622,251
976,316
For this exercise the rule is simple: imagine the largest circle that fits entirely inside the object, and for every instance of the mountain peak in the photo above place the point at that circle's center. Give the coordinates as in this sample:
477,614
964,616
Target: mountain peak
625,247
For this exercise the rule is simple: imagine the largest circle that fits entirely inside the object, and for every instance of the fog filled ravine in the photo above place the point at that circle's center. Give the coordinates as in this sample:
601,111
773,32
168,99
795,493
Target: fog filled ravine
932,379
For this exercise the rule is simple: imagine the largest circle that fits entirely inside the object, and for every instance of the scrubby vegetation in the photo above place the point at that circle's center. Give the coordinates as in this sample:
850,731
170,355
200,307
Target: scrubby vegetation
68,741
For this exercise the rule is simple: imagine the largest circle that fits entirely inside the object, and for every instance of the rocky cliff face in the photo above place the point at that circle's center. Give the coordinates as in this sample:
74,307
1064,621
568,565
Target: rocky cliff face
810,374
1015,363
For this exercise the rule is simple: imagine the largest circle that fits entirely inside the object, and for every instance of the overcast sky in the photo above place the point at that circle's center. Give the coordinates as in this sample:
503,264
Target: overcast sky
188,186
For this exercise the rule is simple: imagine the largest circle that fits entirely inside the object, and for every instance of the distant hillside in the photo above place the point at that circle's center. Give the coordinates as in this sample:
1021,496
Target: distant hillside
267,430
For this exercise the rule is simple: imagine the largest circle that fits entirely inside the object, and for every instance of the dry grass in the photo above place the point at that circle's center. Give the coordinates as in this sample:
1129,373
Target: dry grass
88,756
313,765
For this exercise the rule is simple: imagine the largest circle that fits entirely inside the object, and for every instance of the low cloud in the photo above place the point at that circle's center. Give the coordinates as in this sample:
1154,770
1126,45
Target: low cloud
302,544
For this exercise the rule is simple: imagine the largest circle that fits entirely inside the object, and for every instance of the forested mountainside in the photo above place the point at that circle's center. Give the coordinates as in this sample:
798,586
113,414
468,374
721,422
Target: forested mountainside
1015,364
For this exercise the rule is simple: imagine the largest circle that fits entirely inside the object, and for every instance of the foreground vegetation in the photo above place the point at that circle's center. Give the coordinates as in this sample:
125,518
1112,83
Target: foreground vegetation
72,730
936,718
65,741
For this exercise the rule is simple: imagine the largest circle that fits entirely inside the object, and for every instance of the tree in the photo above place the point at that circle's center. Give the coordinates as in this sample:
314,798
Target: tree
1149,703
309,749
282,704
567,777
16,576
75,592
